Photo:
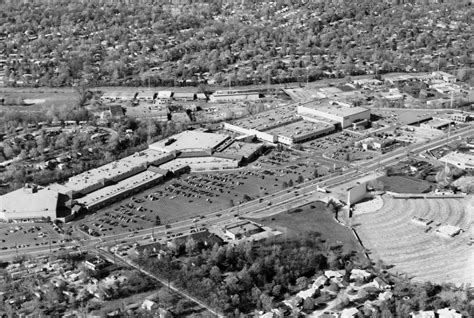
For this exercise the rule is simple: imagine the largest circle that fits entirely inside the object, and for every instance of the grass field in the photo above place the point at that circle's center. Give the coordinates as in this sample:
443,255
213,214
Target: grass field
313,217
404,184
49,97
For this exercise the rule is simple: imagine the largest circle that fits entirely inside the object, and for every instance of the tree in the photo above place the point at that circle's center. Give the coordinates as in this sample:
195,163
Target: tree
308,304
191,246
165,298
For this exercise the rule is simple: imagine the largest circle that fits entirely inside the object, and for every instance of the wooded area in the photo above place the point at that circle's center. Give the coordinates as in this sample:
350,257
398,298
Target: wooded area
137,44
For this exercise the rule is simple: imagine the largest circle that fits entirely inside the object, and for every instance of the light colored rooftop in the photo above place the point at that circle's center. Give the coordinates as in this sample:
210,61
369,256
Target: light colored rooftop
113,169
200,163
437,123
116,189
268,119
242,148
189,140
24,201
467,158
299,128
333,108
243,228
164,94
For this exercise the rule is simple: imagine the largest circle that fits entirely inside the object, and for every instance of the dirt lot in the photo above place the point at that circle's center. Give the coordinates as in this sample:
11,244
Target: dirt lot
313,217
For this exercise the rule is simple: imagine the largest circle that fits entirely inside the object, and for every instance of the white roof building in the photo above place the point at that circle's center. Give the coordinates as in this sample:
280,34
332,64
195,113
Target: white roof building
349,313
448,230
190,141
459,159
29,203
423,314
448,313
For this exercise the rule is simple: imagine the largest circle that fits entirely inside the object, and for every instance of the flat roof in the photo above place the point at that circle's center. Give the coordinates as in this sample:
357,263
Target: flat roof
466,158
437,123
203,163
242,149
243,227
235,92
300,128
184,94
164,94
189,139
113,169
24,201
118,188
268,119
334,108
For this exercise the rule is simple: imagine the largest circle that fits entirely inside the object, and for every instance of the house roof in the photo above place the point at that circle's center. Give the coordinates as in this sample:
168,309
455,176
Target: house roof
116,110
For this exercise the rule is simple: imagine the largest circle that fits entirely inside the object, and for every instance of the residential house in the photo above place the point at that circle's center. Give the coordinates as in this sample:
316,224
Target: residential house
423,314
381,284
149,305
349,313
448,313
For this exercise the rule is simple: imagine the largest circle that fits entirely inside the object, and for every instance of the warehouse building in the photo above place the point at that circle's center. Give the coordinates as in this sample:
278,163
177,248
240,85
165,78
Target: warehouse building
102,176
189,141
301,131
33,203
100,198
333,111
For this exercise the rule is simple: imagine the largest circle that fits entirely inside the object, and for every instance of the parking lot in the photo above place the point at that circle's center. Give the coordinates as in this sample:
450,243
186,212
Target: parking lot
198,194
23,235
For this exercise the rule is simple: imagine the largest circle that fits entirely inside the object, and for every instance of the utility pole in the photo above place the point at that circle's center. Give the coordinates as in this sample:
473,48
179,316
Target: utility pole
452,98
307,76
50,250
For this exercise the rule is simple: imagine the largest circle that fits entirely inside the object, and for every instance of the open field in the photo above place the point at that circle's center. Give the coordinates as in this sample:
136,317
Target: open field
404,185
313,217
391,235
45,97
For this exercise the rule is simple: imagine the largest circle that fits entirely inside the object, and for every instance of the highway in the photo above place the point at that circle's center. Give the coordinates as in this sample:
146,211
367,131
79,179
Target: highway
287,197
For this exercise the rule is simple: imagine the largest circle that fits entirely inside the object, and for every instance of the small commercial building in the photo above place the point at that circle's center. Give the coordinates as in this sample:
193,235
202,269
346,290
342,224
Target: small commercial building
448,230
234,96
435,124
449,78
460,117
164,95
184,96
242,229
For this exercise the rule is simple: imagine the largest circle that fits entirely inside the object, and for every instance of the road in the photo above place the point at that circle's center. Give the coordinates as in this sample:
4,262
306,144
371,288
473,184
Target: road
288,196
124,261
299,193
